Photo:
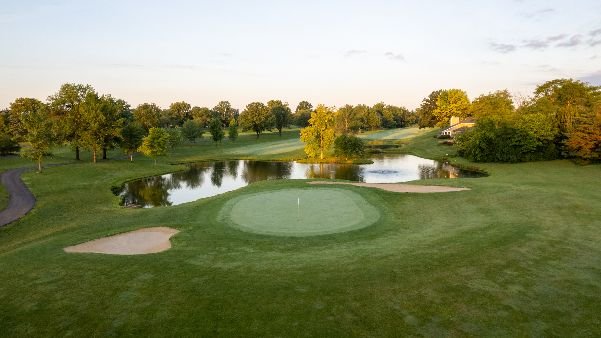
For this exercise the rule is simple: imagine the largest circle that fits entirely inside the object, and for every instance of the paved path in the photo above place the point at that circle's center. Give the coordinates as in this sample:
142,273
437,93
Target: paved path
21,200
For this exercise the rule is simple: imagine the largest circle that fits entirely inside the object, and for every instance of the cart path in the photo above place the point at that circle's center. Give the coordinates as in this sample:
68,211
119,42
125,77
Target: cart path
21,200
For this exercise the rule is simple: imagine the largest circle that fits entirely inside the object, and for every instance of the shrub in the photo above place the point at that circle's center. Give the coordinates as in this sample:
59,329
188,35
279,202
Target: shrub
8,145
349,146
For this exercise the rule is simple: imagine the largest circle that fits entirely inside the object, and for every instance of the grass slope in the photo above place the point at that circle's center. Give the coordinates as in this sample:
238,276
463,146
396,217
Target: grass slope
518,255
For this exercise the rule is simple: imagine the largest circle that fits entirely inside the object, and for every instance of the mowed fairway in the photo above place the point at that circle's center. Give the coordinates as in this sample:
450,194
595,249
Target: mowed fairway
517,255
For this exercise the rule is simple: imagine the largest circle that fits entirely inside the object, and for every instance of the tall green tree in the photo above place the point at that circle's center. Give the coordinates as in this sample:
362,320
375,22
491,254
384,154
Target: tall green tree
233,130
148,115
497,104
202,116
256,117
451,102
155,144
103,122
178,113
319,135
281,114
65,108
216,130
191,130
131,138
39,134
425,113
18,108
302,114
224,110
347,121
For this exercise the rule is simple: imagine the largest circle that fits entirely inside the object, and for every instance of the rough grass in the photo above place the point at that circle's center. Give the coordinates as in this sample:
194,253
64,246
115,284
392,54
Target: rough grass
395,134
518,255
3,197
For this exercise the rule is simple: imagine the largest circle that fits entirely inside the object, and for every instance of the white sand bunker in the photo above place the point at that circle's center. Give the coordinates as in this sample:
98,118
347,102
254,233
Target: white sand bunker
399,187
137,242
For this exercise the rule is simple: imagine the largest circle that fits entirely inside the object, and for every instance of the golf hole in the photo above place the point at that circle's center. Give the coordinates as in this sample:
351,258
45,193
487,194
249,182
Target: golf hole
299,212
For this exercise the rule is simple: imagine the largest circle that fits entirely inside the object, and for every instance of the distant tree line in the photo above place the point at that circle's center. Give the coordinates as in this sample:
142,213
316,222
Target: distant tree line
561,120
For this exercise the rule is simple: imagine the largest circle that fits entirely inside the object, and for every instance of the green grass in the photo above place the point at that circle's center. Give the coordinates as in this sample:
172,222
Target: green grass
3,197
299,212
518,255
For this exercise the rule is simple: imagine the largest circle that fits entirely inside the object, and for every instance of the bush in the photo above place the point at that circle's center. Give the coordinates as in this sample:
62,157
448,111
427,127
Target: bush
500,141
8,145
349,146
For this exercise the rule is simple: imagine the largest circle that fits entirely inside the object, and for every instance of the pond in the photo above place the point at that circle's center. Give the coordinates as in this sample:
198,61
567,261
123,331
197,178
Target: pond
216,177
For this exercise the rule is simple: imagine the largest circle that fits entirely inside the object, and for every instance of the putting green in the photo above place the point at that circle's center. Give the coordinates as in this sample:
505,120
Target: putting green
320,211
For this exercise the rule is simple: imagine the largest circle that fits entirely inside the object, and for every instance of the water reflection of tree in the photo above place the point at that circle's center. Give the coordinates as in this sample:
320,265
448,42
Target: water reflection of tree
349,172
259,171
428,171
232,168
217,173
193,177
147,192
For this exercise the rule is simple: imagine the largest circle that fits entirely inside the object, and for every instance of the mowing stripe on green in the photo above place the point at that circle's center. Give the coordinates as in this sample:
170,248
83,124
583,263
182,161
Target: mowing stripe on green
299,212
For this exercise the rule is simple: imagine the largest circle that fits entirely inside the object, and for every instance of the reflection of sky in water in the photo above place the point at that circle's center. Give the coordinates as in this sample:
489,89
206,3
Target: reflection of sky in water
213,178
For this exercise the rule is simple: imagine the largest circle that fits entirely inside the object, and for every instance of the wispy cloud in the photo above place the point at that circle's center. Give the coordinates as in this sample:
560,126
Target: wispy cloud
145,66
354,52
394,56
538,13
503,47
535,44
595,32
574,41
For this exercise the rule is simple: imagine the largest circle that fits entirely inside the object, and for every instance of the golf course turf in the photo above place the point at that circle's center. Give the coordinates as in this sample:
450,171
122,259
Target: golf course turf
300,212
518,254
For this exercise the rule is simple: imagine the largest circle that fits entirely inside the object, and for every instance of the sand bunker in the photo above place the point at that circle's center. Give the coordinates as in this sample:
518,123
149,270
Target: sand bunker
138,242
399,187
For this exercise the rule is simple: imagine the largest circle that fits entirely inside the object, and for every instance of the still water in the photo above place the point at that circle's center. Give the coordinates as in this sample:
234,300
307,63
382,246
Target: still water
212,178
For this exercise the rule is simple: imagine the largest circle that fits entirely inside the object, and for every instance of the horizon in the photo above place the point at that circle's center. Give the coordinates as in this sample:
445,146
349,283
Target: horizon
336,53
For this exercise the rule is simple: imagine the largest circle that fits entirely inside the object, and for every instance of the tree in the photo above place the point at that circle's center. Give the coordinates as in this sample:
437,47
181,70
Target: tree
319,135
191,130
233,130
451,102
302,114
584,141
156,143
225,112
178,113
497,104
368,118
38,134
256,117
425,112
175,137
347,120
65,110
202,116
281,114
216,130
103,122
349,146
18,108
148,115
131,138
8,145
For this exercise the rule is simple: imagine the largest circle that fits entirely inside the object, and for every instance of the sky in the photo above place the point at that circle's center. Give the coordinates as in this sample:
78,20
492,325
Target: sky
330,52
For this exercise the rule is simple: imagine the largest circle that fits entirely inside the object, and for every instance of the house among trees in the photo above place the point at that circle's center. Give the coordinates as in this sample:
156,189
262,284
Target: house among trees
458,126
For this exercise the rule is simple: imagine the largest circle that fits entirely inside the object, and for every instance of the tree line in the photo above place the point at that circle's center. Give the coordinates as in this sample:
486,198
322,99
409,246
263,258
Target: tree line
562,119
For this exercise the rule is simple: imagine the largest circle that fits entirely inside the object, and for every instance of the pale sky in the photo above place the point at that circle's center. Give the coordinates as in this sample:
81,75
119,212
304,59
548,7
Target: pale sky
331,52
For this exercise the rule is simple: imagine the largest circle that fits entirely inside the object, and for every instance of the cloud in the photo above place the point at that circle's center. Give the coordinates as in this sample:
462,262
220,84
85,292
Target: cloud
394,56
594,43
538,13
535,44
574,41
503,48
595,32
354,52
554,38
592,78
143,66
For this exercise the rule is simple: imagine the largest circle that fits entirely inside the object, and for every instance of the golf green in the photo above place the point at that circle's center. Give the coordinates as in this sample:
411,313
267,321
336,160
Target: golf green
299,212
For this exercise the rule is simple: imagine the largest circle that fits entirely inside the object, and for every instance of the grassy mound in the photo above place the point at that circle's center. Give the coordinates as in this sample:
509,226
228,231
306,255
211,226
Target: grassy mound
299,212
